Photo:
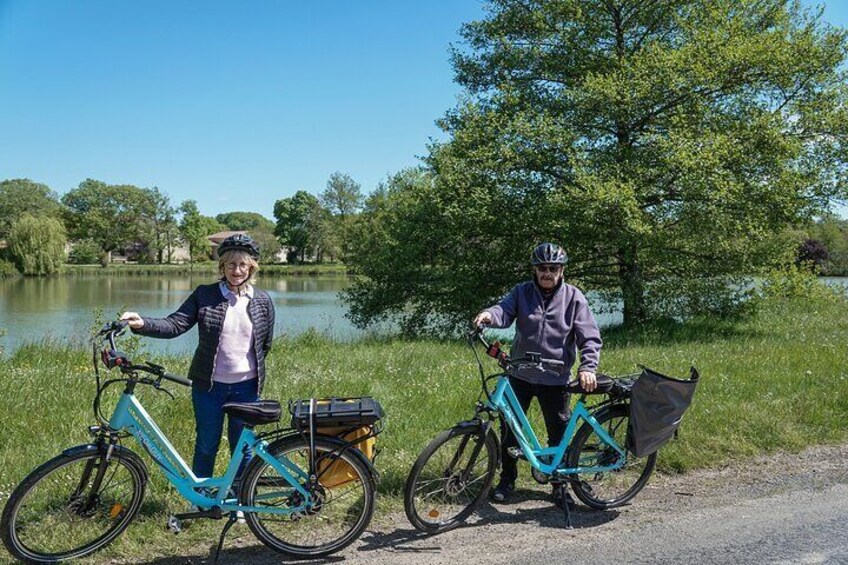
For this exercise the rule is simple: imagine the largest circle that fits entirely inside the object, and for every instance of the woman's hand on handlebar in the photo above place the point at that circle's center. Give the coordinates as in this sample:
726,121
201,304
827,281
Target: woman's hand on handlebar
588,381
133,319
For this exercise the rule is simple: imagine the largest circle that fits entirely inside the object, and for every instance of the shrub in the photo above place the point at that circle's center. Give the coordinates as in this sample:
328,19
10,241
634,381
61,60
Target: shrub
85,252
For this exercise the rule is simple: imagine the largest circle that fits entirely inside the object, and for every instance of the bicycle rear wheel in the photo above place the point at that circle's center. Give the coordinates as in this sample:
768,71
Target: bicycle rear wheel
450,478
73,505
343,500
607,489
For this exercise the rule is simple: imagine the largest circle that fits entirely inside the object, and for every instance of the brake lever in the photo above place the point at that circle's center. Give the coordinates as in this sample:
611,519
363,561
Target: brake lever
157,384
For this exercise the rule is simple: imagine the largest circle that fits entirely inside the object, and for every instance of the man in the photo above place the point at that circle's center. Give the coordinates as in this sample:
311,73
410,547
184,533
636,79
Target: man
551,318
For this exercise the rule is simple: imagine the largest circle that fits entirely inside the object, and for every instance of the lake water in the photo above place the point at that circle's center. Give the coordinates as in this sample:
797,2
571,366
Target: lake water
64,307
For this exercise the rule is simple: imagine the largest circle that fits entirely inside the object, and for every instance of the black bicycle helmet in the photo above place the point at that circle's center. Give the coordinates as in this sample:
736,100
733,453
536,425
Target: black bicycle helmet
239,242
548,254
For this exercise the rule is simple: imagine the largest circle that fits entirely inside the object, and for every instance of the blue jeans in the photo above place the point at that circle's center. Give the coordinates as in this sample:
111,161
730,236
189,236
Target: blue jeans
209,422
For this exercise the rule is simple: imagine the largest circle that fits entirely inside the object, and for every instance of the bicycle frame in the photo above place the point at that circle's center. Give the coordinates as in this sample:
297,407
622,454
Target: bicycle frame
130,415
504,401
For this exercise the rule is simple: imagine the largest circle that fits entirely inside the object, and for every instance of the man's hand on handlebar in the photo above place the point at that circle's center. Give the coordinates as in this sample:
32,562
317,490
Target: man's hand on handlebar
588,381
483,319
134,320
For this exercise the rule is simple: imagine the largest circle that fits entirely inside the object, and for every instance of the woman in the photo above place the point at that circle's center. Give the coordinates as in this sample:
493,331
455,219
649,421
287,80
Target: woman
235,326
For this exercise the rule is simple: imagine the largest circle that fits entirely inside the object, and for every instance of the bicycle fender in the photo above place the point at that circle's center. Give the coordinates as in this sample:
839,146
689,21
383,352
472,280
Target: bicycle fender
127,453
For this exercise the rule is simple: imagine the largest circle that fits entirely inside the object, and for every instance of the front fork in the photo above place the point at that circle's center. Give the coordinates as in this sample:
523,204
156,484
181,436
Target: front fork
106,443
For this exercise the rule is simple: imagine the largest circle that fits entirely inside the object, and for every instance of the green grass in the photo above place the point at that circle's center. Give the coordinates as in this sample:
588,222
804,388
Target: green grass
209,267
778,381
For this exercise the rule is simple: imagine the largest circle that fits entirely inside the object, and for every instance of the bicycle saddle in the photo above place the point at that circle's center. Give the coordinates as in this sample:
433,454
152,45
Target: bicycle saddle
254,413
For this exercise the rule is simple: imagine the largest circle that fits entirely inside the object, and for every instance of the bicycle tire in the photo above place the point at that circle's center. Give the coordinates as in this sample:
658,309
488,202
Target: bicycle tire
608,489
297,535
52,515
444,460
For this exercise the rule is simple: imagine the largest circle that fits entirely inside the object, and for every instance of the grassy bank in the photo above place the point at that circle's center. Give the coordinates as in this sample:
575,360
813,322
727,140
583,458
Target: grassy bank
778,381
199,268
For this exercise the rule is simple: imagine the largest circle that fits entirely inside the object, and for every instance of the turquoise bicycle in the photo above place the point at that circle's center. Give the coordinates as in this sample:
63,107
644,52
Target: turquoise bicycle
454,473
81,500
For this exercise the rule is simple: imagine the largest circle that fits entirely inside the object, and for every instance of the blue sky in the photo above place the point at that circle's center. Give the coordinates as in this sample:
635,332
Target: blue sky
233,104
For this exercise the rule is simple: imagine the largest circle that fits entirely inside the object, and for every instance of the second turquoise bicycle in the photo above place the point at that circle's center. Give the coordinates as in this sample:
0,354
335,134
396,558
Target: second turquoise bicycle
454,473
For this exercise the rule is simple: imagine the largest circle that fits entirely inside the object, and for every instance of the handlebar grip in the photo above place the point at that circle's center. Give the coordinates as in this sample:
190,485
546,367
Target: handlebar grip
176,379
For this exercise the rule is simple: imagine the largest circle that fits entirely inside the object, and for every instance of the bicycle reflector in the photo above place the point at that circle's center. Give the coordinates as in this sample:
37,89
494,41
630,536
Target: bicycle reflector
112,358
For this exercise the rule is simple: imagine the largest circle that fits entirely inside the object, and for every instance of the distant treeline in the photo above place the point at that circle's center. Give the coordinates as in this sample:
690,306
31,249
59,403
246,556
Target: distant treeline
95,222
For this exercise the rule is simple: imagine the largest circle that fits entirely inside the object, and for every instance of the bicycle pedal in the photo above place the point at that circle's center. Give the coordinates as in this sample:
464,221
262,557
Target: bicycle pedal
174,524
515,453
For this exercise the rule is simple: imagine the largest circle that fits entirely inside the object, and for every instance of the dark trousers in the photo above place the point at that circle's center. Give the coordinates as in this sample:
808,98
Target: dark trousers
209,422
555,409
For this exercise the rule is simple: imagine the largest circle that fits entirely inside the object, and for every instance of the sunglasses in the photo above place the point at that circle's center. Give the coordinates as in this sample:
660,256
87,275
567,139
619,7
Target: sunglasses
548,268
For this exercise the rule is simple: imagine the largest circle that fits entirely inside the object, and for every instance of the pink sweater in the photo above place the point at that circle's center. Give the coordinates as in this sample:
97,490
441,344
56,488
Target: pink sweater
235,360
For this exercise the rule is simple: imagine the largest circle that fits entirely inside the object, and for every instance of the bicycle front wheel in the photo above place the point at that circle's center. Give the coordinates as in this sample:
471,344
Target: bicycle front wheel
450,478
73,505
607,489
342,501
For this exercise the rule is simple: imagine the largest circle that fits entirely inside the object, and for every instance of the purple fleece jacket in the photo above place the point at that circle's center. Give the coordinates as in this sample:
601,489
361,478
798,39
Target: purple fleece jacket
555,331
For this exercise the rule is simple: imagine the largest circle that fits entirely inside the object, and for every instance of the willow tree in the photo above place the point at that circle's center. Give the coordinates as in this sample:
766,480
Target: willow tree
37,244
665,144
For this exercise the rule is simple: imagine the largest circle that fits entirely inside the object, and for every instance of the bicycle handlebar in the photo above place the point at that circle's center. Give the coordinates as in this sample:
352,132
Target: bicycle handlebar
110,331
530,360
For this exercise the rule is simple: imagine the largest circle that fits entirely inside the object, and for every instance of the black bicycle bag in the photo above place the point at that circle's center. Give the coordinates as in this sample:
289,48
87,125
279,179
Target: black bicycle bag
657,406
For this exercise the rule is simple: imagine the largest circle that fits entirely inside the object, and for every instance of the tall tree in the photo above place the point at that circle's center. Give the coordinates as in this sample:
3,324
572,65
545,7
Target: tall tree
164,222
343,195
342,199
115,216
23,196
37,244
195,229
292,230
667,145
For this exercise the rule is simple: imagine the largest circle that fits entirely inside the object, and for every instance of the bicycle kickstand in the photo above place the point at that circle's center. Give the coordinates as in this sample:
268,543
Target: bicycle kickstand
565,506
232,520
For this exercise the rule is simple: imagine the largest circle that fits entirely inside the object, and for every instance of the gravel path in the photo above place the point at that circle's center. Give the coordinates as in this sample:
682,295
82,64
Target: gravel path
787,508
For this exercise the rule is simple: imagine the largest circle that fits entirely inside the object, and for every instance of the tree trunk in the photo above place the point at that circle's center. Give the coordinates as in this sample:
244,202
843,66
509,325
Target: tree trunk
632,287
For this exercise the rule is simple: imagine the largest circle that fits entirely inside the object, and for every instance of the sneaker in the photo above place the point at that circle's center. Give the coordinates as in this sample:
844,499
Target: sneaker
239,517
502,491
556,495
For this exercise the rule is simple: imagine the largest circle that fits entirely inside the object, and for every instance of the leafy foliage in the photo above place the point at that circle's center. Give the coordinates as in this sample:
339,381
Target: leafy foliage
658,142
292,227
832,233
195,229
245,221
23,196
812,253
797,282
37,245
85,252
120,216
